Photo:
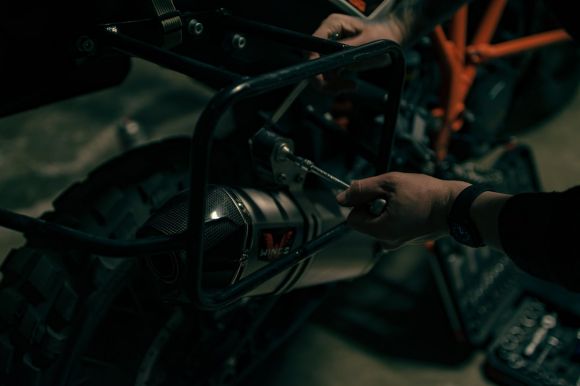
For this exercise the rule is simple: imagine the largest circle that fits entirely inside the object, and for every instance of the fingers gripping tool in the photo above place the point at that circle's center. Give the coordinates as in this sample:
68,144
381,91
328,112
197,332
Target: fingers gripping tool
376,207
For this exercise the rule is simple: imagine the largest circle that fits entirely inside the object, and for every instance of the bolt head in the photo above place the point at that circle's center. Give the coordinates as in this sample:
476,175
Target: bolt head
194,27
281,152
238,41
85,44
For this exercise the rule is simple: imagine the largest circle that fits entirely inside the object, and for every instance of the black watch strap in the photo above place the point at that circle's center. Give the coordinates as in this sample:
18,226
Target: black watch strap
461,226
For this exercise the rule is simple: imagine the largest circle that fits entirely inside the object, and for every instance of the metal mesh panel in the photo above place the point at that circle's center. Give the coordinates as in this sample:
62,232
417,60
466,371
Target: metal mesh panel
222,216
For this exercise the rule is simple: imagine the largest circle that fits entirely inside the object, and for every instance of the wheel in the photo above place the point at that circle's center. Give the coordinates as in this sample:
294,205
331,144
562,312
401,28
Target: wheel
53,300
71,318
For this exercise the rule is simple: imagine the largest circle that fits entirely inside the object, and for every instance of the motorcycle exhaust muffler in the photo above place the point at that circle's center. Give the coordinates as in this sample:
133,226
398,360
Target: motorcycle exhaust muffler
247,229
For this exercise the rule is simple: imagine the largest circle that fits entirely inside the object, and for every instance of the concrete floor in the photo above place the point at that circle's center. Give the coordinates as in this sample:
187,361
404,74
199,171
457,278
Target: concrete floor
44,150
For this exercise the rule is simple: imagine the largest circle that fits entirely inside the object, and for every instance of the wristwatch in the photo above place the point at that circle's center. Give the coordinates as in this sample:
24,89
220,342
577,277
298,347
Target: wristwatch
461,226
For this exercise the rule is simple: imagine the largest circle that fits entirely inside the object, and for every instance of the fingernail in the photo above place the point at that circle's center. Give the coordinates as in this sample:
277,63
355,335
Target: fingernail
342,197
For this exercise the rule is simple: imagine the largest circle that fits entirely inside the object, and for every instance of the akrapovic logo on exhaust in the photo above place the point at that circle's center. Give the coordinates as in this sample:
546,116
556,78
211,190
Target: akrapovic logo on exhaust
275,243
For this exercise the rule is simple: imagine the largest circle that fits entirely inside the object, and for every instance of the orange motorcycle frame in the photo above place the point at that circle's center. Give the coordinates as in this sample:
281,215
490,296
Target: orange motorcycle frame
460,60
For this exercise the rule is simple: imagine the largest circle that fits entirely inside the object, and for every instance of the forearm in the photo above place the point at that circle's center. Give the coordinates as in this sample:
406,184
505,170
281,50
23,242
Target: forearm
539,232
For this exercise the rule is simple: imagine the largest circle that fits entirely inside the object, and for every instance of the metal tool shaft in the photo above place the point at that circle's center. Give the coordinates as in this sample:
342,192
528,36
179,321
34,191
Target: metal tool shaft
376,207
329,177
309,167
296,91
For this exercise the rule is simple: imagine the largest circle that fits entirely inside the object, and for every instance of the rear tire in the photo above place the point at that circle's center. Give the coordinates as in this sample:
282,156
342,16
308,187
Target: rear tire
53,300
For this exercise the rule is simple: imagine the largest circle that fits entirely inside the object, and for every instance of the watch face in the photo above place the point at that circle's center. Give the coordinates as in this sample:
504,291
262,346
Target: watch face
461,227
460,233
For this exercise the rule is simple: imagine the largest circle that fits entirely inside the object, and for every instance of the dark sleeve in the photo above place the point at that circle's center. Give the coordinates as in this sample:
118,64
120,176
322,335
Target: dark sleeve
540,232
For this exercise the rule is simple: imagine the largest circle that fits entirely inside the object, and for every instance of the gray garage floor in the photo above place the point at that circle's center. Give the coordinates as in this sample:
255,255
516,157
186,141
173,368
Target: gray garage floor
44,150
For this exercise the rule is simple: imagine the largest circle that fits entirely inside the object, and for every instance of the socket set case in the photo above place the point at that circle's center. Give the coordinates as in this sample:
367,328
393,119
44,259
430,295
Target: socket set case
529,339
531,331
540,345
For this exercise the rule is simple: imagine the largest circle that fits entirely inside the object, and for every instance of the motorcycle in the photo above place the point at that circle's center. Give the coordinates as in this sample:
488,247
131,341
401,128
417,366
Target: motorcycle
163,266
190,259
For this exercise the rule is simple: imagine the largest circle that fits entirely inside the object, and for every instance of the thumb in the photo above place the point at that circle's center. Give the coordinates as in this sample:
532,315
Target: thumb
362,192
342,198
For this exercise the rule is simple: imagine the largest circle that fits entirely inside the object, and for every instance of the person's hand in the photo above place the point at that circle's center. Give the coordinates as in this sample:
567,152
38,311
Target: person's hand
417,206
354,31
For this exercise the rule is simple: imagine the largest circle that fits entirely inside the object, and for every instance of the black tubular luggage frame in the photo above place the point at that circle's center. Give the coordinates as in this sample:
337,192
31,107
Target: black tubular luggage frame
234,88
